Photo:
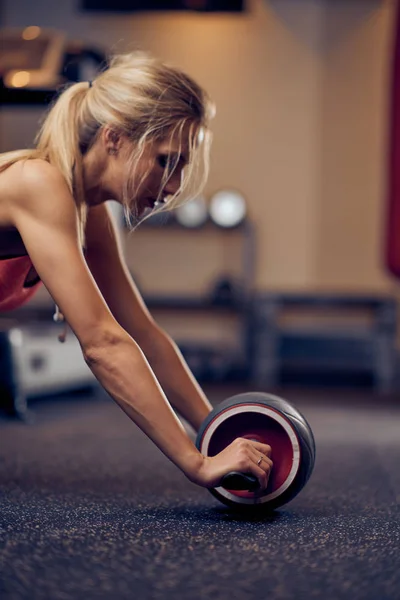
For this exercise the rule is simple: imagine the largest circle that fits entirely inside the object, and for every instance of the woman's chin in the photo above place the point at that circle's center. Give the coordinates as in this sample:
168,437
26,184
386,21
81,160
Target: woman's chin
145,212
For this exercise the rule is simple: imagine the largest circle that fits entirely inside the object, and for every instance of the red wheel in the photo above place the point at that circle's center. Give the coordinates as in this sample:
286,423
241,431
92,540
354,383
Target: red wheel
270,420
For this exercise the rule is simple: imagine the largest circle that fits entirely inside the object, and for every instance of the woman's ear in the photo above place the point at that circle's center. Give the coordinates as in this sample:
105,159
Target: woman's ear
112,140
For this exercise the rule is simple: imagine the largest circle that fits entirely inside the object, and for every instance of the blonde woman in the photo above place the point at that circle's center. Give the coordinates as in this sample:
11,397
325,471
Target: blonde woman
138,134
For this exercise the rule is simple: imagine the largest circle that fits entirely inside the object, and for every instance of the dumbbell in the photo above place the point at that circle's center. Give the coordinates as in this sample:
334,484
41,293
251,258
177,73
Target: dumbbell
264,418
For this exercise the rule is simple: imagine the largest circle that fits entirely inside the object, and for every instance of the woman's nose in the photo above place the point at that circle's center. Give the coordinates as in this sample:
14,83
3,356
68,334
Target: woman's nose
173,184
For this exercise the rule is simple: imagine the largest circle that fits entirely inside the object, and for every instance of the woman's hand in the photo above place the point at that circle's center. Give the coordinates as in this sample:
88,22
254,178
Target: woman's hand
241,455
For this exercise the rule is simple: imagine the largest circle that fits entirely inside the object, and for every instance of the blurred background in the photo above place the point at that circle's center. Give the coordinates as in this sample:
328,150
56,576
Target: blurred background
280,274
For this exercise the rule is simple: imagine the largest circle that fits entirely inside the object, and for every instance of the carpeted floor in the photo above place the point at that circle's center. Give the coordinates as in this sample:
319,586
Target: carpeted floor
90,509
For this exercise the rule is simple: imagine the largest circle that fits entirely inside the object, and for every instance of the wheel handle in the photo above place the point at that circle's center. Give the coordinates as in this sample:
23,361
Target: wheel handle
240,481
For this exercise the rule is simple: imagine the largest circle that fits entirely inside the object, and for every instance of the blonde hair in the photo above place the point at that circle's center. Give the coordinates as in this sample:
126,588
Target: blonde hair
141,98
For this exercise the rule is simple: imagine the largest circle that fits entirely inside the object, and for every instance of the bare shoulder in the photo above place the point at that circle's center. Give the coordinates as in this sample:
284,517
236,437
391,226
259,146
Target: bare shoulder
38,176
37,169
43,191
22,181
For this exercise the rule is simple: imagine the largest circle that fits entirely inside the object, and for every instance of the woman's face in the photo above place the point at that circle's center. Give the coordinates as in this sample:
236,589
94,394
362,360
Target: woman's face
158,174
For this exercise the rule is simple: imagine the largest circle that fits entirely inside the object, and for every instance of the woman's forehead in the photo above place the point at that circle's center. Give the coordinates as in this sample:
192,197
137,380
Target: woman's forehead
174,146
181,143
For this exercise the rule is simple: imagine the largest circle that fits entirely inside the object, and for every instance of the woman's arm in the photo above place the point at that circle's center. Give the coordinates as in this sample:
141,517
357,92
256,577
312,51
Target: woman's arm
106,262
45,215
47,221
173,373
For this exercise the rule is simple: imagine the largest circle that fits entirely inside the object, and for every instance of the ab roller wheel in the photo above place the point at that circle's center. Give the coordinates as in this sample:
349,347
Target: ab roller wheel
271,420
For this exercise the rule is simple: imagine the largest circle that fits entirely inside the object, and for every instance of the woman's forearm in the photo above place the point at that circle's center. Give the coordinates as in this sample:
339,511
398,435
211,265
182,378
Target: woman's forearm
125,374
175,377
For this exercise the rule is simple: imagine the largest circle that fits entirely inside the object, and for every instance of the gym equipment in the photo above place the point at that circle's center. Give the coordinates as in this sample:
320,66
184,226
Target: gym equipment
324,337
33,362
270,420
193,213
228,208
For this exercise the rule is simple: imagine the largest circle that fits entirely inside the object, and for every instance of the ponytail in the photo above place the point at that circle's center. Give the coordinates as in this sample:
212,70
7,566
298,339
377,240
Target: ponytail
58,142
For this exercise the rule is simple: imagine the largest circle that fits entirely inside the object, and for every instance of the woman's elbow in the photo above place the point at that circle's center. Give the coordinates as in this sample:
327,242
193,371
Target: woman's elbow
102,343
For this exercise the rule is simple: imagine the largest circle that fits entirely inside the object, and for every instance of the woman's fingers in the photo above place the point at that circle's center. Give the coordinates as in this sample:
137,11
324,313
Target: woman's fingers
262,460
263,470
257,451
263,448
256,459
262,464
261,474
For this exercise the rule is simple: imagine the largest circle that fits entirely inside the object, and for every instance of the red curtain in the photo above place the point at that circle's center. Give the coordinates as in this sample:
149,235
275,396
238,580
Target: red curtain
393,224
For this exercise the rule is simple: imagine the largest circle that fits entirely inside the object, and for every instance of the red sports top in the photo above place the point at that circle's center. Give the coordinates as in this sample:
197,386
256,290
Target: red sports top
14,289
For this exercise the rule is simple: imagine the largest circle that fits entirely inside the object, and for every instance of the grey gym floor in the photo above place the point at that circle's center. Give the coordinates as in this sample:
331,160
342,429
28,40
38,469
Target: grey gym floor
91,509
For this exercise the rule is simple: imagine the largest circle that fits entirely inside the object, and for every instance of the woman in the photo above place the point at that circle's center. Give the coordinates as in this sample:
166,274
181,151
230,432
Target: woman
138,134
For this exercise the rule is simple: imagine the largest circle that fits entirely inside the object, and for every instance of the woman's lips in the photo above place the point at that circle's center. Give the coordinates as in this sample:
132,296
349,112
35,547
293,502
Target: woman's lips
147,205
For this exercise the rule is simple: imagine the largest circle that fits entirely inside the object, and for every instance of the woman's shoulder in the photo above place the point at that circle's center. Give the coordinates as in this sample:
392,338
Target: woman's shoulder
29,186
39,172
40,180
29,173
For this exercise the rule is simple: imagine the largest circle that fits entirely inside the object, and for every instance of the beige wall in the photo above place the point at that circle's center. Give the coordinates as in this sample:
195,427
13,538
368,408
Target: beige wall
301,93
354,128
